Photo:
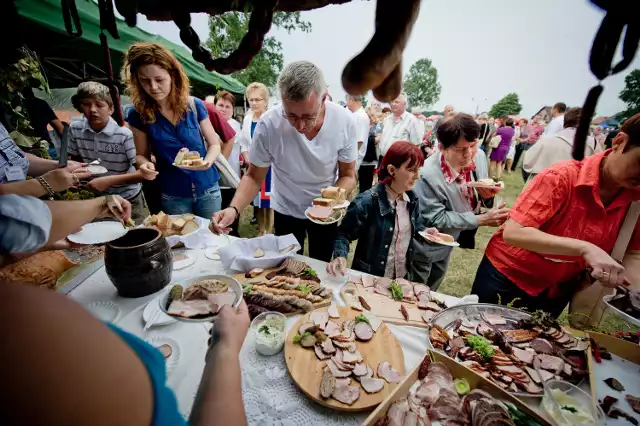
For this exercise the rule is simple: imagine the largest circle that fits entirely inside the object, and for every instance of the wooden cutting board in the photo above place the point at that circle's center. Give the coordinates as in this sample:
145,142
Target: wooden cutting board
382,306
243,280
306,369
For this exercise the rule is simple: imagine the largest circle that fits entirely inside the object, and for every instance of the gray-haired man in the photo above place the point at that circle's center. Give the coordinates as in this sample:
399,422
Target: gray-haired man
307,142
400,125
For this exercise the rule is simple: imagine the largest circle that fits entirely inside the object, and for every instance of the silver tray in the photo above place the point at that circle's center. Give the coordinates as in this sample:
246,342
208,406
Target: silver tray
618,312
471,312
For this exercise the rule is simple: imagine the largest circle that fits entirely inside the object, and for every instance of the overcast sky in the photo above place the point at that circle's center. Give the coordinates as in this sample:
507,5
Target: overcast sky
482,49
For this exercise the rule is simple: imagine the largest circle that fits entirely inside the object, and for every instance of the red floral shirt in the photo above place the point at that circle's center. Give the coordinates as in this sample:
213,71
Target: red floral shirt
461,179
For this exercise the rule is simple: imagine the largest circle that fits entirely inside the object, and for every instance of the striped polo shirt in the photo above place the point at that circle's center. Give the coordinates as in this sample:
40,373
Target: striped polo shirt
113,145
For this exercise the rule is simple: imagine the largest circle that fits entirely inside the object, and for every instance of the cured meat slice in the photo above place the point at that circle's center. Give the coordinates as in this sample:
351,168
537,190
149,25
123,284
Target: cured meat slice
363,331
351,357
190,308
371,385
320,319
494,319
410,419
343,382
307,327
542,346
346,394
320,354
427,315
419,289
327,347
337,360
327,385
367,281
468,399
430,306
345,345
360,369
319,212
510,370
551,363
374,321
519,336
634,403
356,279
386,371
397,412
564,339
333,311
536,377
380,289
524,356
331,329
337,373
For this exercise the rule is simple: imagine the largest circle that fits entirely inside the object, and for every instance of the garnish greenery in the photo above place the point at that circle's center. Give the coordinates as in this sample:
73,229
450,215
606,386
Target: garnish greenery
265,330
310,271
396,291
569,409
304,288
362,318
246,288
480,345
513,302
298,337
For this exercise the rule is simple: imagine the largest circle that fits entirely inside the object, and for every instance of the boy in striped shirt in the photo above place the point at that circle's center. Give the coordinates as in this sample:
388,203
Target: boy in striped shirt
98,136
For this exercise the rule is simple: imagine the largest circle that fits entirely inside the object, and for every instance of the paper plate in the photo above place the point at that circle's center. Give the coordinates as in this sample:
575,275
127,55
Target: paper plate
212,253
98,233
182,263
152,312
429,238
335,217
342,206
97,170
106,311
173,359
192,168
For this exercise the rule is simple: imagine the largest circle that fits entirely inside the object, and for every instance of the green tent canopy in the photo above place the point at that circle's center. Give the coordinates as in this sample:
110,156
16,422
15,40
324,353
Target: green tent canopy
68,60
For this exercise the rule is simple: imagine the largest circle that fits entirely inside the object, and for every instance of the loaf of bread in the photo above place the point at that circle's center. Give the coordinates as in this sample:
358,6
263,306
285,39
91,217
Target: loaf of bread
324,202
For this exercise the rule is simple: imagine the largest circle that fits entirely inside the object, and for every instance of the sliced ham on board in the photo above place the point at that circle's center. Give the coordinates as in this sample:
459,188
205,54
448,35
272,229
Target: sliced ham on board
320,319
386,371
367,281
346,394
333,311
371,385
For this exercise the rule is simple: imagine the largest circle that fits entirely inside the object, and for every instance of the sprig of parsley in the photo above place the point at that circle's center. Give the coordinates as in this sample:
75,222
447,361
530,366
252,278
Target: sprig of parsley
246,288
480,345
362,318
396,291
265,330
569,409
304,288
311,272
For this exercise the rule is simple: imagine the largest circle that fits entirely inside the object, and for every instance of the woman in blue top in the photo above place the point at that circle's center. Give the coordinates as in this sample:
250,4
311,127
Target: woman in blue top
164,120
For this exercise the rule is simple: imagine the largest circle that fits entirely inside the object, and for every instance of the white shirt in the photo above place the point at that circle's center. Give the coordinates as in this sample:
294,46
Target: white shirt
407,128
361,120
302,167
234,157
556,125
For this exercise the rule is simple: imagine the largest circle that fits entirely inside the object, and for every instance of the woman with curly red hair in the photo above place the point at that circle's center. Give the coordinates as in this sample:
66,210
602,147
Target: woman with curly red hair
384,219
165,119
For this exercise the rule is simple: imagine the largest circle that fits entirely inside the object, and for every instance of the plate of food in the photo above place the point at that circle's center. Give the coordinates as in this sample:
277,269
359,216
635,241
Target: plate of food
502,343
98,233
174,224
333,197
189,160
323,215
625,306
201,298
169,349
487,183
94,169
343,359
439,238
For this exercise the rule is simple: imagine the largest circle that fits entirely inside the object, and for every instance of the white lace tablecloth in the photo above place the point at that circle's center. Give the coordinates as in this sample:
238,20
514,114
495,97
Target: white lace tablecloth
270,396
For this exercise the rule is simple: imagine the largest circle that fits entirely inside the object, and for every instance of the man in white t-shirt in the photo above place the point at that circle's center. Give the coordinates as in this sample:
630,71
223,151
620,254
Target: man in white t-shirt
360,117
557,122
400,125
307,142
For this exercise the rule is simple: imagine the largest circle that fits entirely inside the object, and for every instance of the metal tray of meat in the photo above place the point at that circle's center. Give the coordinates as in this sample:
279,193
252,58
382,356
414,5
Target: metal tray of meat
471,312
625,316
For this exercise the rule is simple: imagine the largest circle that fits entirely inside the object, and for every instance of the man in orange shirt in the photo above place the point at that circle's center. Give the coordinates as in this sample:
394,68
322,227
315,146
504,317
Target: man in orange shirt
565,221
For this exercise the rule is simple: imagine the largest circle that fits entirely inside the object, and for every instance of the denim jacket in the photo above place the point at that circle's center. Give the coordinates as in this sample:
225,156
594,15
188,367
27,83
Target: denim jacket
370,219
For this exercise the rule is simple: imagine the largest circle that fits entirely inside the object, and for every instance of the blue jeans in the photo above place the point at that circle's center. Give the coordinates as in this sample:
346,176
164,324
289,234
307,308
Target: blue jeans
204,205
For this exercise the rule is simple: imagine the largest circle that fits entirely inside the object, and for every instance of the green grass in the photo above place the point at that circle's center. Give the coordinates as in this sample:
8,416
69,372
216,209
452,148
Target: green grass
464,263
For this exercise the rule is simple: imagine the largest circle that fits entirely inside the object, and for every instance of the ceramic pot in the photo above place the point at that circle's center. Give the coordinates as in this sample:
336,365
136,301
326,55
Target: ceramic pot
139,263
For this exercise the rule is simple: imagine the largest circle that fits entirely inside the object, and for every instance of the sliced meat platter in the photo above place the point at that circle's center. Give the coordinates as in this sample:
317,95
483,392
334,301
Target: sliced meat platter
505,345
347,374
434,397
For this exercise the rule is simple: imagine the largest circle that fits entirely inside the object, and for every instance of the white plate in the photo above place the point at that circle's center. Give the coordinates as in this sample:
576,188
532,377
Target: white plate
106,311
173,359
497,185
435,241
152,312
184,263
212,253
97,170
625,316
336,217
98,233
192,168
342,206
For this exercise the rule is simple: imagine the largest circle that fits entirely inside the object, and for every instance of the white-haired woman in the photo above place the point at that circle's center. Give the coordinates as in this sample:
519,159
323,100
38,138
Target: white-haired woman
258,97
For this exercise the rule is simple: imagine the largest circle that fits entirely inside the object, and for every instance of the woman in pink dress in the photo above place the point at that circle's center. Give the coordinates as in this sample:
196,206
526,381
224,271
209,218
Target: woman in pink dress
499,154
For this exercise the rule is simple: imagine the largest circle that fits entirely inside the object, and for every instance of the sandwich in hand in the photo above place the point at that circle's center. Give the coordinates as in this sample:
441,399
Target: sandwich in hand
188,158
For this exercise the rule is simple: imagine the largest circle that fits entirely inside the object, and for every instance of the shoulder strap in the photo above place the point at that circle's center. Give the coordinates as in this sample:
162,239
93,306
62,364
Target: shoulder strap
626,231
192,107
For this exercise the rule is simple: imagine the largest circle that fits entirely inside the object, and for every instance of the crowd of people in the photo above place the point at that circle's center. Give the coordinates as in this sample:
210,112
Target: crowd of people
403,179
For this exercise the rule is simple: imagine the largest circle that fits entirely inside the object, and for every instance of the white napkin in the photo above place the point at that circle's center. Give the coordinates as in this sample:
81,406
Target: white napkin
468,299
239,255
199,239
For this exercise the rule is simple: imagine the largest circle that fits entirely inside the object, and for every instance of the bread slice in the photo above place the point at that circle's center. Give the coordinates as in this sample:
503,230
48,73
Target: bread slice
163,221
324,202
189,227
192,155
178,223
188,216
180,157
197,162
332,192
342,196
